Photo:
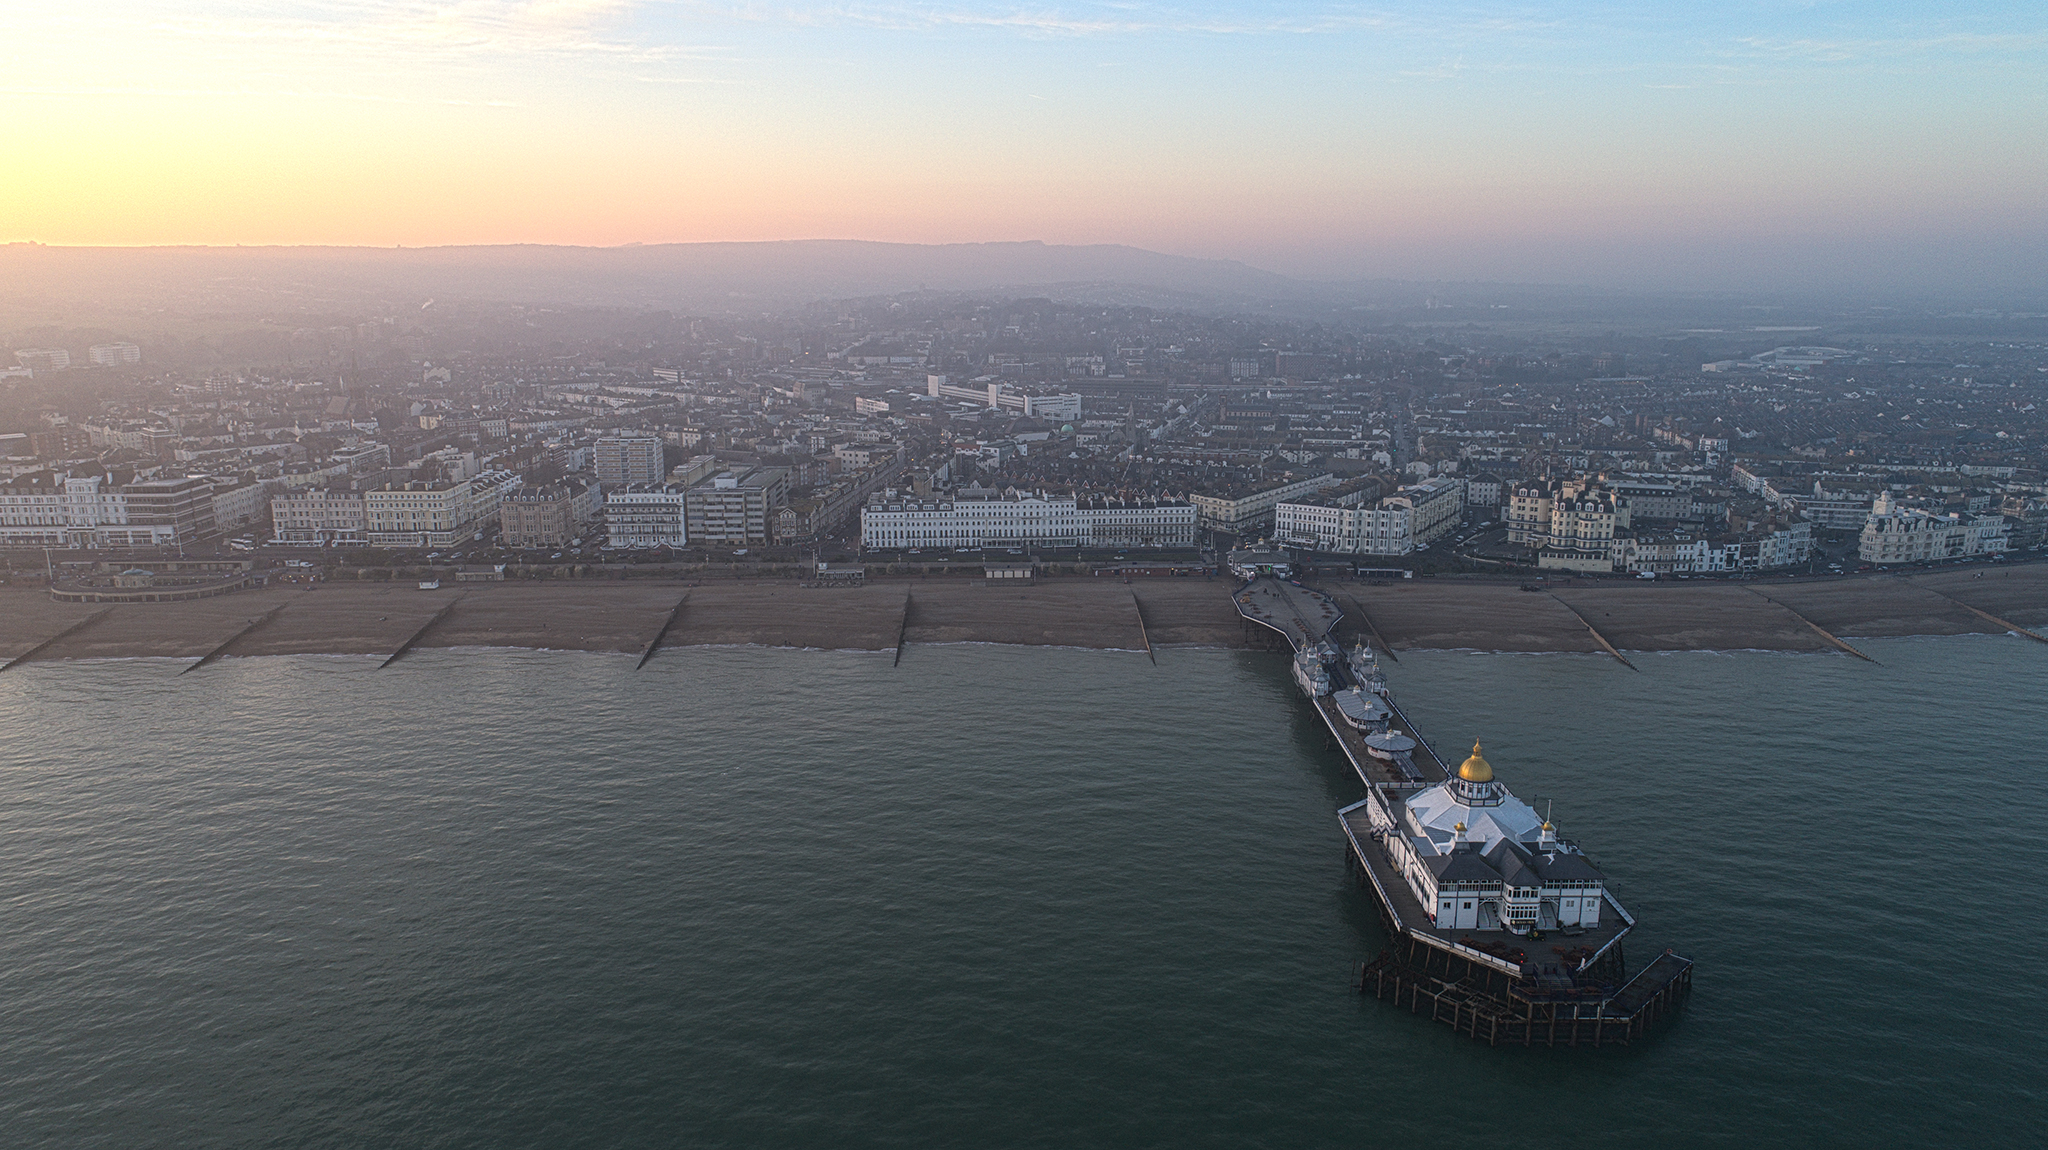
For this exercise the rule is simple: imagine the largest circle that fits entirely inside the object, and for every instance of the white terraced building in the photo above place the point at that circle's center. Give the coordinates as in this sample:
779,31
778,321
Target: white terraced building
646,515
895,520
434,514
47,509
1137,522
1414,515
317,515
1895,534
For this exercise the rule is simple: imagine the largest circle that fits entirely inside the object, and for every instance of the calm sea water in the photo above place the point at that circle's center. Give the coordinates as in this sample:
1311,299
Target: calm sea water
994,897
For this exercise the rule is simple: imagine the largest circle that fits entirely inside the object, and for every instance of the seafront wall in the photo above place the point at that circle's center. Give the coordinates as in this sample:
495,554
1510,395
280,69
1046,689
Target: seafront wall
623,615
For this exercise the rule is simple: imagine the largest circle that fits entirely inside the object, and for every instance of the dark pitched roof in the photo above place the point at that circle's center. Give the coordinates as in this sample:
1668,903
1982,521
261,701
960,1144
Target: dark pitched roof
1461,866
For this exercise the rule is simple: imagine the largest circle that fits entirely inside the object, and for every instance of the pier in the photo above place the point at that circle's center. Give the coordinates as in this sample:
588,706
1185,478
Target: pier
1562,986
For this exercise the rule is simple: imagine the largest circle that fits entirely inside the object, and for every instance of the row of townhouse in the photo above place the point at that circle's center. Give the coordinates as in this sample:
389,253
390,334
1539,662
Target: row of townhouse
1250,509
1768,547
435,514
707,504
411,514
1413,516
828,508
549,514
980,517
1553,512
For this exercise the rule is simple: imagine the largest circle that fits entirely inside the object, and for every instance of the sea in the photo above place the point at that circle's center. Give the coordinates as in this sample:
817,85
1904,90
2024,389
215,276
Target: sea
991,897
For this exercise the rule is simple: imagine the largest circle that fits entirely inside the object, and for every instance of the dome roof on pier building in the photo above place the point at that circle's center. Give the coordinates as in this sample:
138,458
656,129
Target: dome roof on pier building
1476,769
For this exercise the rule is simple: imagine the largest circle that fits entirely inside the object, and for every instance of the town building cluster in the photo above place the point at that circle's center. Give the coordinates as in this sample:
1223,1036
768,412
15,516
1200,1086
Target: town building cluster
933,421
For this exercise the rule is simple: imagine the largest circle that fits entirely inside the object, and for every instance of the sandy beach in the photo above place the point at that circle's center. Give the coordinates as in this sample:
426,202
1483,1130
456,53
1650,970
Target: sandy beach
616,616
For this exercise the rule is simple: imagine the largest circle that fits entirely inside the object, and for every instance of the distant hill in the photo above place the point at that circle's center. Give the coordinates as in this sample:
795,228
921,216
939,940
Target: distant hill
711,277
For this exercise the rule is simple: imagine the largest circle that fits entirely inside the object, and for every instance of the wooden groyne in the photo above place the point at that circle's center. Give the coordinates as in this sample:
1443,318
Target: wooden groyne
1378,639
59,637
412,642
1598,637
222,649
1817,628
1987,616
654,644
902,631
1142,633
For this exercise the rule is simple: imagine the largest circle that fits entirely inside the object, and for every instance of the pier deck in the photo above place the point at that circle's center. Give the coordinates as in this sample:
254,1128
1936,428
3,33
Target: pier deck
1302,616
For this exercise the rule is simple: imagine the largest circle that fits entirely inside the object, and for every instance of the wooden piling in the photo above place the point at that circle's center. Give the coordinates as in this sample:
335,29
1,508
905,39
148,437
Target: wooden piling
421,633
53,640
654,644
222,649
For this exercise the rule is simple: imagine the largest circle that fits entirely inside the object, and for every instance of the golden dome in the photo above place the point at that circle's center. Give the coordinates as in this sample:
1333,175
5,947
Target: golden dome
1476,769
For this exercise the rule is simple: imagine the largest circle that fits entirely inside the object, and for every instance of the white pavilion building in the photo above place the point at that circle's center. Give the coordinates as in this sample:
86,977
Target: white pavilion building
1478,858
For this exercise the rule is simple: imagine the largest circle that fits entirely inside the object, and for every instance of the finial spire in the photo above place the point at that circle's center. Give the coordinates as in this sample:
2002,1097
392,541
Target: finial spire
1476,769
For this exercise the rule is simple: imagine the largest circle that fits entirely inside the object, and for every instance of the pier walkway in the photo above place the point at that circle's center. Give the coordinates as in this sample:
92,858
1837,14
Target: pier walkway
1430,770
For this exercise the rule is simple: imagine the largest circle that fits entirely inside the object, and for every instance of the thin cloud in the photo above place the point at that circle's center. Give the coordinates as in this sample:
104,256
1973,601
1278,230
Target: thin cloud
1835,51
1111,20
381,31
203,93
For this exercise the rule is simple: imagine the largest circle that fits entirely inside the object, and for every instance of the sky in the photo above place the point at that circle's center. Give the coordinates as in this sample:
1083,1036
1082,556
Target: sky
1671,144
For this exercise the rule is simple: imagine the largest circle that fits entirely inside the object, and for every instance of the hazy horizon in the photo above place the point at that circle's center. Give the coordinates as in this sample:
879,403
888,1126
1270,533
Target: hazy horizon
1762,145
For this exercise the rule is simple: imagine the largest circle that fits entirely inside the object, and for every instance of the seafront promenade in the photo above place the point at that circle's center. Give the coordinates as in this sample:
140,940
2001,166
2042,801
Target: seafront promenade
624,615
